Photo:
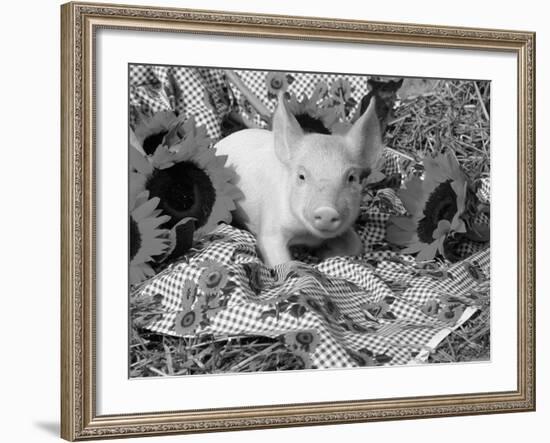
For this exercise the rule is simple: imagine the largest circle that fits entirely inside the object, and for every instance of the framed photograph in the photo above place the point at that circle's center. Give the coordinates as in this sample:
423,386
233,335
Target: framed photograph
280,221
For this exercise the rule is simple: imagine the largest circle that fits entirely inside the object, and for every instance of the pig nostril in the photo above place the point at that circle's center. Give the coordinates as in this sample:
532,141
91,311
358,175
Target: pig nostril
326,219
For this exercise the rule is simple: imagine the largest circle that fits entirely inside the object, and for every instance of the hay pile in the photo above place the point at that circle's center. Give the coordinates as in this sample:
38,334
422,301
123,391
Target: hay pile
453,114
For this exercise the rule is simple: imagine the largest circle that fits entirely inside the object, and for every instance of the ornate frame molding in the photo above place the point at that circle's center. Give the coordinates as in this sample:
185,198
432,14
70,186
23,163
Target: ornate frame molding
79,21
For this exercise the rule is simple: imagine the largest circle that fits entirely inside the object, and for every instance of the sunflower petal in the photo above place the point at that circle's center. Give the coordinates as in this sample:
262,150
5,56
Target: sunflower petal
428,186
435,169
184,150
428,252
139,163
141,198
149,125
205,158
411,195
135,275
404,222
140,272
460,189
398,236
234,193
415,246
443,227
181,238
153,222
189,126
441,245
163,158
136,188
146,209
202,135
175,133
453,166
230,205
134,143
459,226
220,160
152,247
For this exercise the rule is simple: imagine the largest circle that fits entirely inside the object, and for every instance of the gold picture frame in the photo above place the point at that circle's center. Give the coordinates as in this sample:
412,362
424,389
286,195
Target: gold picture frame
79,22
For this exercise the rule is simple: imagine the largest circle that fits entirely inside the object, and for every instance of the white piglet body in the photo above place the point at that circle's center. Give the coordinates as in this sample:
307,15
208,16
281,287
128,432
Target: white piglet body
302,188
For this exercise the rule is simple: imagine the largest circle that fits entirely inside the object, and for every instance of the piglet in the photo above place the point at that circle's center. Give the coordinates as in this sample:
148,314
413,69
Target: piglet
302,188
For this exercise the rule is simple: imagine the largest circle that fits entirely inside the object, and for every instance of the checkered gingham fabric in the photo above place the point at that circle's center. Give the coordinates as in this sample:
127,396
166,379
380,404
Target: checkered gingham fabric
201,93
303,84
208,95
374,308
389,286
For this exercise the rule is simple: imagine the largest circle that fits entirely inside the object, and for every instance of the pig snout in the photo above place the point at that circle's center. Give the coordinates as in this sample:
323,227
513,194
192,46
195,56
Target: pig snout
326,219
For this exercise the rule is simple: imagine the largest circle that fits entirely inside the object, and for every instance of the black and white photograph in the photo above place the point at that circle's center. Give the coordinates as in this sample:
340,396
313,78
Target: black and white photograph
275,221
284,220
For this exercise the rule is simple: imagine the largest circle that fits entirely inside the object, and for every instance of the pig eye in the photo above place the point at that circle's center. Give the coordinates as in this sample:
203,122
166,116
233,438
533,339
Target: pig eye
352,178
302,177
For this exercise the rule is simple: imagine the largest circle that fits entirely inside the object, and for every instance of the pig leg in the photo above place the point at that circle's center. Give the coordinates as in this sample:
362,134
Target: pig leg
349,243
274,249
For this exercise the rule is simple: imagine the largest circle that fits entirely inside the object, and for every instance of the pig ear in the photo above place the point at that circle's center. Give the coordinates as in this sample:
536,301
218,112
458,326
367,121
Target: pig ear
364,137
286,130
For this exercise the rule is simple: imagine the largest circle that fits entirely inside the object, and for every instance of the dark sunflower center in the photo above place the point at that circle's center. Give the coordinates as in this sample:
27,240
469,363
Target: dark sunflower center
441,205
213,279
188,319
276,83
152,142
304,338
184,190
135,238
311,124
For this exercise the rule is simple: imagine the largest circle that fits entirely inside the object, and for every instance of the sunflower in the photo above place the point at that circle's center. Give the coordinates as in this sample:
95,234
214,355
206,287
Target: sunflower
146,239
363,357
188,177
190,316
213,277
187,321
431,307
340,97
341,89
306,340
435,204
306,302
189,295
215,304
150,131
277,82
378,310
311,116
450,314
